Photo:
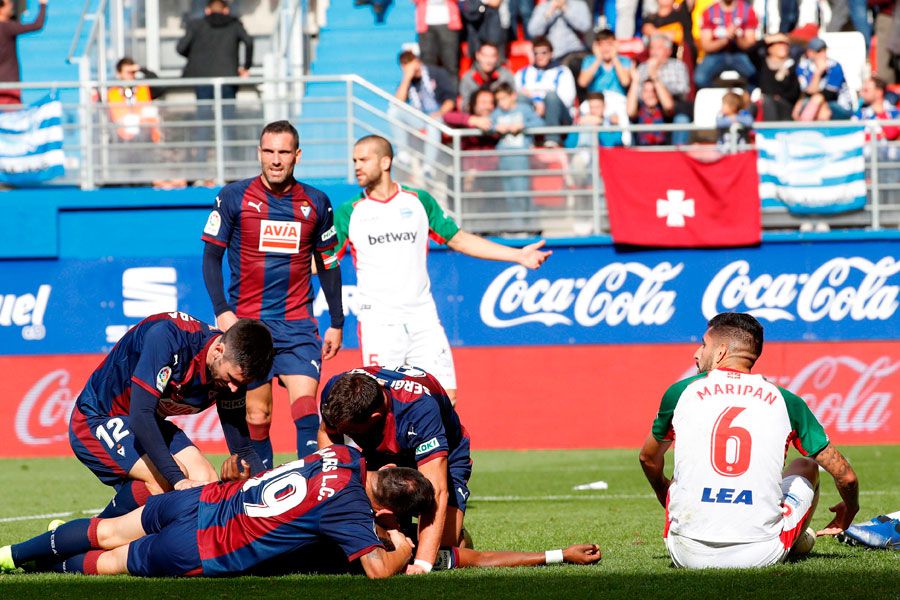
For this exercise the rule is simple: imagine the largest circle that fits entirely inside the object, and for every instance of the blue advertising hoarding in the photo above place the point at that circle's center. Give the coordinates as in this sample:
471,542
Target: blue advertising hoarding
801,291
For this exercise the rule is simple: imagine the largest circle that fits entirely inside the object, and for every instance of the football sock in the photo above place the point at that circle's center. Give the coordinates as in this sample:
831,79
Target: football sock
130,496
69,538
305,413
82,563
259,440
894,515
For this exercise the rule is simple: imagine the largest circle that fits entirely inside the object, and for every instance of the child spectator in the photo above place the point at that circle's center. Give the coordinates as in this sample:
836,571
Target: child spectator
733,111
596,114
605,71
510,119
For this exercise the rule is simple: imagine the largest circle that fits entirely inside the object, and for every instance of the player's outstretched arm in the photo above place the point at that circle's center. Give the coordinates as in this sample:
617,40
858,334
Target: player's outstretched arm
653,462
431,526
530,256
578,554
847,485
381,563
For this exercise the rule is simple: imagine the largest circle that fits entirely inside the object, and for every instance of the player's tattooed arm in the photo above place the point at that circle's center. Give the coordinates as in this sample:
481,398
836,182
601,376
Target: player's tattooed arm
847,485
380,563
653,463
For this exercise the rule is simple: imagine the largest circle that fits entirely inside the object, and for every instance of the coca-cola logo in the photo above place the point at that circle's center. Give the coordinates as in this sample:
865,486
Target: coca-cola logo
43,415
854,288
845,393
617,293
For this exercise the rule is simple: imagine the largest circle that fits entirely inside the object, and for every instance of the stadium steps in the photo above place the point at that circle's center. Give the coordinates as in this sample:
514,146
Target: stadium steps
351,42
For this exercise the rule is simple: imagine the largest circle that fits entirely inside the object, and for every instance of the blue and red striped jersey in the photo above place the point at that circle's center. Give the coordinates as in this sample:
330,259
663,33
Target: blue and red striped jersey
320,497
270,240
164,354
421,424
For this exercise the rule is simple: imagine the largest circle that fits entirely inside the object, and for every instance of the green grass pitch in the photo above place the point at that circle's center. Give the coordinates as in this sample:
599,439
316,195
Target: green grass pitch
521,501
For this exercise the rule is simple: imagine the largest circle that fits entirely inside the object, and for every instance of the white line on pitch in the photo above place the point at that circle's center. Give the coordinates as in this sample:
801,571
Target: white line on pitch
606,497
87,511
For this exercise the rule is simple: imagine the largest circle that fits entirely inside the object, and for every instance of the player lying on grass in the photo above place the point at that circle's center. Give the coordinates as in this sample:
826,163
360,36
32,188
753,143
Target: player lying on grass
231,528
728,503
405,417
168,364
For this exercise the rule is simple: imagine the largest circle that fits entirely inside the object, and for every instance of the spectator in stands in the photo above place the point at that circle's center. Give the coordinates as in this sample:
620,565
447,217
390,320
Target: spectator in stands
487,22
735,117
887,30
649,103
477,116
511,117
777,76
673,20
211,45
438,27
605,71
626,17
10,29
593,114
672,74
485,71
131,107
727,32
429,90
825,93
564,23
550,87
877,108
855,11
520,10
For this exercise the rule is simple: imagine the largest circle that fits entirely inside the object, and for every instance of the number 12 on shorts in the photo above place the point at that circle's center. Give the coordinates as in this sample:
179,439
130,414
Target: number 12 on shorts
111,432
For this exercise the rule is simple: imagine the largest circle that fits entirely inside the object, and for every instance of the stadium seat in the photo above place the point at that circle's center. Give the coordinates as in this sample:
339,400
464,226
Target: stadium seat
520,55
707,105
849,49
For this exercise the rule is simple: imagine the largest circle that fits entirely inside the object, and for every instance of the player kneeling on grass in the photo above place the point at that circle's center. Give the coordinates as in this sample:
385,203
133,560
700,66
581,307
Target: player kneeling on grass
405,417
231,528
168,364
728,503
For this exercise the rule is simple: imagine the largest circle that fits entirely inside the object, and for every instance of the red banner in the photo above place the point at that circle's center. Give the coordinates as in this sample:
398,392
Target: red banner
674,200
520,398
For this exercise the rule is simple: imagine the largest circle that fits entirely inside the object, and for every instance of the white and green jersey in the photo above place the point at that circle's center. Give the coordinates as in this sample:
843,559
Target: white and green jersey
731,432
389,243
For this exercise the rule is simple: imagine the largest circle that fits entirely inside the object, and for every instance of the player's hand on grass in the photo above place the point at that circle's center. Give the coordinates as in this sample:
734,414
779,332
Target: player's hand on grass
843,518
226,320
332,342
532,257
414,570
235,469
186,484
582,554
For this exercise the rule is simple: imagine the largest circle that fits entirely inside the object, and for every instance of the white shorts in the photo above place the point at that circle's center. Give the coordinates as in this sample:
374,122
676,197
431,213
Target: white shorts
423,344
798,496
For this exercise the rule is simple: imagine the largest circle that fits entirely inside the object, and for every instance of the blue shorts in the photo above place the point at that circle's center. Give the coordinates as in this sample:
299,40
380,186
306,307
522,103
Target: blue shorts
298,349
459,470
170,547
107,446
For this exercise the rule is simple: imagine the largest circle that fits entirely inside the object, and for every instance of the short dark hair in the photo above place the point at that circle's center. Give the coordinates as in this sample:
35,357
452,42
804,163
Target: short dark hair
381,143
407,56
604,34
248,344
541,42
125,61
222,3
404,491
740,328
281,127
878,82
503,87
595,96
491,44
474,98
351,399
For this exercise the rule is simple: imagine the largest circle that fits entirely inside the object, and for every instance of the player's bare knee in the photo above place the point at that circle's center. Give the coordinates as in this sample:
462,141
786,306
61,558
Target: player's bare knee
806,468
260,416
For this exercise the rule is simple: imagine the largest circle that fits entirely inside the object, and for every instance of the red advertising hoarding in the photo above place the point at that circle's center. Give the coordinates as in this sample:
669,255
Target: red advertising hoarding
584,396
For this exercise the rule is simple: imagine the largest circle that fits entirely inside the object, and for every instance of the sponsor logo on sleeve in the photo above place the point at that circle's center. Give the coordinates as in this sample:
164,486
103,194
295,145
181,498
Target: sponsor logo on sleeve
213,223
427,446
328,234
282,237
162,378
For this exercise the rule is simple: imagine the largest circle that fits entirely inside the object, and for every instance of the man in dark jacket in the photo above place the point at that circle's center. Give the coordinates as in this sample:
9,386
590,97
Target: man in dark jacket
211,46
10,29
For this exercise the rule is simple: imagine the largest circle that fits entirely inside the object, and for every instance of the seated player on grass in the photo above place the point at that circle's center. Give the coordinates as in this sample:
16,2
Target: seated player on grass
168,364
229,528
405,417
729,504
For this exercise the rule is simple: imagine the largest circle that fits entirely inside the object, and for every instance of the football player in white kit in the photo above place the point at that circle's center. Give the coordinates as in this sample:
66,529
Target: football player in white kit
387,228
729,504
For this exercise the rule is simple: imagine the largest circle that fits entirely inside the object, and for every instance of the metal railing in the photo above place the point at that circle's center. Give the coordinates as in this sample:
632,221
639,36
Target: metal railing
558,191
